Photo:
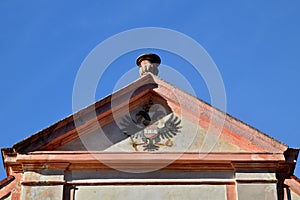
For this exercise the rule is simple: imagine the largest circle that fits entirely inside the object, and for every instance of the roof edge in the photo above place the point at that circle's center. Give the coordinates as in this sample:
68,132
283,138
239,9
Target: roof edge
139,84
282,145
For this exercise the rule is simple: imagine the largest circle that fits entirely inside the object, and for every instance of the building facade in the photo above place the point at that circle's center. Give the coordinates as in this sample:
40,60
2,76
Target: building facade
150,140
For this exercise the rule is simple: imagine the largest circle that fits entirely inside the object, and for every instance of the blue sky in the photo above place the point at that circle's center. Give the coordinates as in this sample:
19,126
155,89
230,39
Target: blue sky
255,45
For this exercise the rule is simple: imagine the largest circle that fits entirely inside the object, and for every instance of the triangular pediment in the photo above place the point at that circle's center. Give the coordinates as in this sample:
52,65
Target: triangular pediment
151,115
171,133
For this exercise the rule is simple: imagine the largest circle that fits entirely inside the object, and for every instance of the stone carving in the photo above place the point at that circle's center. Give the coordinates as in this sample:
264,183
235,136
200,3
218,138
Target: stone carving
151,132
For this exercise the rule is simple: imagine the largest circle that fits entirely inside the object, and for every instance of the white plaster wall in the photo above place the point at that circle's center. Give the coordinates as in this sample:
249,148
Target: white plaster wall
151,192
42,192
257,191
44,175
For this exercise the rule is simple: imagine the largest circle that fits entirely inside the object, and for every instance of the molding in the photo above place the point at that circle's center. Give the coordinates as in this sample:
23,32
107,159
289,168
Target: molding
156,182
42,183
257,181
134,182
143,161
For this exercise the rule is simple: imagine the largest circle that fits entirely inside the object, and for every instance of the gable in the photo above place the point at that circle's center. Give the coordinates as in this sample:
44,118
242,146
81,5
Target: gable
204,128
189,138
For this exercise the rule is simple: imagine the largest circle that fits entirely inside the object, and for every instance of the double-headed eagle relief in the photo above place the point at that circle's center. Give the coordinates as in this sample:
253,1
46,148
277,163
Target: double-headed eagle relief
151,128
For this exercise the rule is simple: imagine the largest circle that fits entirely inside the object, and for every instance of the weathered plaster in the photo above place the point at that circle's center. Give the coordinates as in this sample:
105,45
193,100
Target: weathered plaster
174,192
257,191
42,192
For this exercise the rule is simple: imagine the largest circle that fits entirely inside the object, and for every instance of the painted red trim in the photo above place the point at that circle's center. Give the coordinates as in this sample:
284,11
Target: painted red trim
142,160
6,181
231,193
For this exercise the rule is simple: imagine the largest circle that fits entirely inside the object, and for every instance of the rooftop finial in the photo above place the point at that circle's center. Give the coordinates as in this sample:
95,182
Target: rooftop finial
148,63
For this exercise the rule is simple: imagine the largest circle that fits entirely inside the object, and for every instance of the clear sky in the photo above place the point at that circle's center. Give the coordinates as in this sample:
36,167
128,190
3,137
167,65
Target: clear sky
255,44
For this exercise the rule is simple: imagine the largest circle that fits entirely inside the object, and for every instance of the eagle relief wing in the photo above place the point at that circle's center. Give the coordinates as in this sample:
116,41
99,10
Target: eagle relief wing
128,126
170,128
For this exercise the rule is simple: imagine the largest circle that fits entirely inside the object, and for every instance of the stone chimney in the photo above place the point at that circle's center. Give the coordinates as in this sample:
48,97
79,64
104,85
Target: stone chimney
148,63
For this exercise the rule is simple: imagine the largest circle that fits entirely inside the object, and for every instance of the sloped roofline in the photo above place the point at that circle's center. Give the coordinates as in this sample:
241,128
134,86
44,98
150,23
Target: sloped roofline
140,85
159,80
230,118
143,84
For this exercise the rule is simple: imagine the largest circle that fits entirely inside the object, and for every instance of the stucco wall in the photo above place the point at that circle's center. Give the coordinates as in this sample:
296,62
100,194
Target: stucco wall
42,192
176,192
38,189
165,184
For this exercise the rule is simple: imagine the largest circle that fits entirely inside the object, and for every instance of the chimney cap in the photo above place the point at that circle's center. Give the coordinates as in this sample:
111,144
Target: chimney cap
153,58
